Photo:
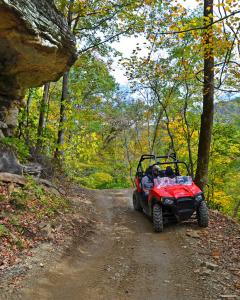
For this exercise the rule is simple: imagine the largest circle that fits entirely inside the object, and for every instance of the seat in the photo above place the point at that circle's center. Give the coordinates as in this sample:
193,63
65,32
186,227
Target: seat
148,171
162,173
169,172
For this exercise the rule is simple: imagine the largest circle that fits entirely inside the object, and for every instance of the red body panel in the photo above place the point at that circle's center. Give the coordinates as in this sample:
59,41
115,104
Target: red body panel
176,191
138,184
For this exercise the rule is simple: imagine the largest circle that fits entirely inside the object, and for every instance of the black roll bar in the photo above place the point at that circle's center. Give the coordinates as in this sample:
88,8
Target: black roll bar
172,156
175,163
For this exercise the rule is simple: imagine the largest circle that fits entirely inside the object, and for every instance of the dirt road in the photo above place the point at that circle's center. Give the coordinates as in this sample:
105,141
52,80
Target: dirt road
125,259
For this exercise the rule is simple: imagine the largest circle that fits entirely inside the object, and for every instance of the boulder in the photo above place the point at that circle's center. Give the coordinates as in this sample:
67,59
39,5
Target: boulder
33,169
8,161
12,178
209,265
36,47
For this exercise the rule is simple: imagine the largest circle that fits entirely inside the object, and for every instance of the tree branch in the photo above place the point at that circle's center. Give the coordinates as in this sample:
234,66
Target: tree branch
201,27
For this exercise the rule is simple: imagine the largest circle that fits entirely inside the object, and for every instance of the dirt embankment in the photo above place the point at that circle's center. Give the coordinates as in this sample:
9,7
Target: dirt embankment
44,237
217,254
118,256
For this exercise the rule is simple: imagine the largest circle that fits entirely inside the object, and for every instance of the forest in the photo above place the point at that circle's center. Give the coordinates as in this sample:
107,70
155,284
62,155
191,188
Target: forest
97,128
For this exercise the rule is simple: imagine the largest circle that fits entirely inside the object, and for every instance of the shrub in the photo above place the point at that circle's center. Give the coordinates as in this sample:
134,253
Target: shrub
99,180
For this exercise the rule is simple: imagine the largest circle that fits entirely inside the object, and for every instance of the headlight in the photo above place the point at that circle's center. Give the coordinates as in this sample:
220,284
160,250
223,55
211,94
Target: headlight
168,201
199,197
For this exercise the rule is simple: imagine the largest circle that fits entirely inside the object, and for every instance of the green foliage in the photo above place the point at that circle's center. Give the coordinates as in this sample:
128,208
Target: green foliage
2,197
19,146
19,199
107,128
98,180
3,230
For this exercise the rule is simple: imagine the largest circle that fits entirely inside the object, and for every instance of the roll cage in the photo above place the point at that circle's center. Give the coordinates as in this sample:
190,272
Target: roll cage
173,160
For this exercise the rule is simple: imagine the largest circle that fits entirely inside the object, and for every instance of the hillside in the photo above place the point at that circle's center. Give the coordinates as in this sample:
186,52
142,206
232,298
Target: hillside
227,110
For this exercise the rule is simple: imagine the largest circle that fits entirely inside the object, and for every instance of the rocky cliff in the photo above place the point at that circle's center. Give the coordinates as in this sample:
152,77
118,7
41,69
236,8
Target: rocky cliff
35,47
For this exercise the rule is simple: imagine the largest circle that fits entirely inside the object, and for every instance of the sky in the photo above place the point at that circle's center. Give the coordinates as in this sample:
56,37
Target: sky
127,44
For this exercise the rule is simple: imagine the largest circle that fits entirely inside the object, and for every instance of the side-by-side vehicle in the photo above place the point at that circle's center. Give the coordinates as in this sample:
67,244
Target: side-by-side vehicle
172,196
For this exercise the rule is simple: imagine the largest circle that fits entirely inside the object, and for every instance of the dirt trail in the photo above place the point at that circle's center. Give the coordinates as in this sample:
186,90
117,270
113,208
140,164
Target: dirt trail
125,259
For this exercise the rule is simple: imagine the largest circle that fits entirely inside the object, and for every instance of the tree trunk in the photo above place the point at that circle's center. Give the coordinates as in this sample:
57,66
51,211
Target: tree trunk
60,141
64,98
156,130
236,209
41,122
128,158
29,100
47,115
187,131
201,177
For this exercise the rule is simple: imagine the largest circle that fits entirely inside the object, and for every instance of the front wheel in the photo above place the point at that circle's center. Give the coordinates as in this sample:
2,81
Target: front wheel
157,218
136,201
202,214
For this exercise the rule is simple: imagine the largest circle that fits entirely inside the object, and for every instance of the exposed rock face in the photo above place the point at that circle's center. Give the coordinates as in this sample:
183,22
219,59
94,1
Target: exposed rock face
35,47
8,161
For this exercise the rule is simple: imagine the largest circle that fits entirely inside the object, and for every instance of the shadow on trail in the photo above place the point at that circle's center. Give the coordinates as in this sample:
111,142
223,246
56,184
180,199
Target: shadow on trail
123,209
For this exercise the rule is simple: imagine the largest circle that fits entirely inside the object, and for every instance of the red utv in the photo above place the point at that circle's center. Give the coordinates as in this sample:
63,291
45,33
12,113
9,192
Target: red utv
172,197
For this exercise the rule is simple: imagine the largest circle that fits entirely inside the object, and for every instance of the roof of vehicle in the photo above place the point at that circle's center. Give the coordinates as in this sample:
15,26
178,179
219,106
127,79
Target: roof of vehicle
171,159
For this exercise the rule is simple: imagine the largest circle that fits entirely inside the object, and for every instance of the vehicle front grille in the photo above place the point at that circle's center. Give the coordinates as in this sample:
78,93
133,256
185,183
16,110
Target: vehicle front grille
185,203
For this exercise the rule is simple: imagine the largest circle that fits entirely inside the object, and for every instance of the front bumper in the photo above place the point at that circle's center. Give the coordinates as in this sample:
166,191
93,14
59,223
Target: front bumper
182,208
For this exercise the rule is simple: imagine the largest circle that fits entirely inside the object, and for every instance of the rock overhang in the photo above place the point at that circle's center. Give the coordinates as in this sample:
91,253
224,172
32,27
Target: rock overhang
35,46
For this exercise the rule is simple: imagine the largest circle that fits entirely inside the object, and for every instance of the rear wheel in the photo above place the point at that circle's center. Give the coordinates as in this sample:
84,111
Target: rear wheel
157,218
136,201
202,214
